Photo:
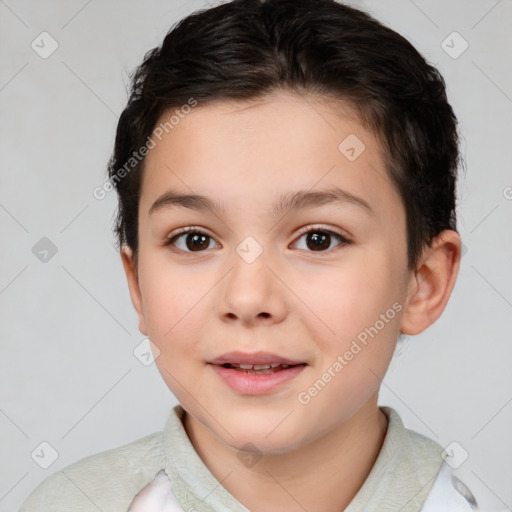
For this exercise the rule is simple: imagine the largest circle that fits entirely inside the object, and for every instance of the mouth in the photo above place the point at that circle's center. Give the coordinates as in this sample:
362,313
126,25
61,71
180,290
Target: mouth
259,369
256,362
257,373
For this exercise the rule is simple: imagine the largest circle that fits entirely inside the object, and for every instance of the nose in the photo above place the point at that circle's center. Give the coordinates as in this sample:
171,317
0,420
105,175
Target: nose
252,292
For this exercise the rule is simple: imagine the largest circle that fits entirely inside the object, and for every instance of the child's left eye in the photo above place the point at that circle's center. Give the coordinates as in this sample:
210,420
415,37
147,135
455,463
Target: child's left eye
196,240
317,238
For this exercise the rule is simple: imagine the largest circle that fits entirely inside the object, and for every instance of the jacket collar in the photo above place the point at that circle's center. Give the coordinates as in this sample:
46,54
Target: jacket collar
401,478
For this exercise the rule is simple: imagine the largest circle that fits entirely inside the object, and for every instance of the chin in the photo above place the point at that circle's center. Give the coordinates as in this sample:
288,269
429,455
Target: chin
270,437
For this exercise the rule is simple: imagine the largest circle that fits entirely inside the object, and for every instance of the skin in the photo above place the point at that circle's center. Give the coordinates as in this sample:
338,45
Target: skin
293,301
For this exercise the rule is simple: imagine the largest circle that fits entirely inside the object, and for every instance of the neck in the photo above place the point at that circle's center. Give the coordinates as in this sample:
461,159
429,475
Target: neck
313,477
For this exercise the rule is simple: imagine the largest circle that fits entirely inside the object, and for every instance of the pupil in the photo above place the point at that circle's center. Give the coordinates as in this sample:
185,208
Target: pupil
195,237
318,241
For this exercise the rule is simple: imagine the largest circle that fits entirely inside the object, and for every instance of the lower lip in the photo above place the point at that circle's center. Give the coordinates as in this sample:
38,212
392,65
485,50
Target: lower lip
253,383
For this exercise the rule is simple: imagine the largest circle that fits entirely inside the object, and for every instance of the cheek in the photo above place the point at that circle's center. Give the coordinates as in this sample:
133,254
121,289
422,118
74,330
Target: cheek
349,299
174,303
360,310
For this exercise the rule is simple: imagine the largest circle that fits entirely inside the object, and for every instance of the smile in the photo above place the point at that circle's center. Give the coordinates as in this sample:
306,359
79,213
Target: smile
258,369
257,379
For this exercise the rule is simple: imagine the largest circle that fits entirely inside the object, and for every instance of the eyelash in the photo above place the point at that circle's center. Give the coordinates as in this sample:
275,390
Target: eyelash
315,229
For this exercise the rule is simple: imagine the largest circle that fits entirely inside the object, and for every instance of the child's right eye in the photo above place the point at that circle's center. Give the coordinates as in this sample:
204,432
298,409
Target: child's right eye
193,241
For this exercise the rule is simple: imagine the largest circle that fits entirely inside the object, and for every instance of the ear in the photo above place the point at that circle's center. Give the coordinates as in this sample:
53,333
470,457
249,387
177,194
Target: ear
431,284
130,268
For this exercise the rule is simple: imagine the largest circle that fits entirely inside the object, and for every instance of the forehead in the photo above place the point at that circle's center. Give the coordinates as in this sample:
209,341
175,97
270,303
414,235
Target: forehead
241,153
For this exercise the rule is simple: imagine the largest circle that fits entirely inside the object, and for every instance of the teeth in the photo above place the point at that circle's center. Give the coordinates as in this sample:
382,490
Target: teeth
267,366
261,367
256,366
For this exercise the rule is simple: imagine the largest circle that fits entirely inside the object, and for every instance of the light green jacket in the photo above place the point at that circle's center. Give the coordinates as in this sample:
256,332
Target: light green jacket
400,479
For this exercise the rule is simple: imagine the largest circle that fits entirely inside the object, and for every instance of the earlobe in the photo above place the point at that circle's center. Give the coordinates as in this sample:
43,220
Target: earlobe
130,269
431,285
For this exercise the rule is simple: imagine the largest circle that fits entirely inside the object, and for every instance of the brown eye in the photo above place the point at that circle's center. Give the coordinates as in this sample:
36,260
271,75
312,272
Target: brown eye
191,241
196,241
318,240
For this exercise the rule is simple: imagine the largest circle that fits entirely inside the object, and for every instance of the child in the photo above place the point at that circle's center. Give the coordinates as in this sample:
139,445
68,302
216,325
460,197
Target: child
286,174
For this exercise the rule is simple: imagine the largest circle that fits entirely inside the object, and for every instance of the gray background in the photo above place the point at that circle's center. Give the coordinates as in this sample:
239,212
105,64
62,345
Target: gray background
68,374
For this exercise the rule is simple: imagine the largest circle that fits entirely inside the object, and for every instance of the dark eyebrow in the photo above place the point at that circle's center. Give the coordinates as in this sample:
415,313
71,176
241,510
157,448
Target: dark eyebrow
287,202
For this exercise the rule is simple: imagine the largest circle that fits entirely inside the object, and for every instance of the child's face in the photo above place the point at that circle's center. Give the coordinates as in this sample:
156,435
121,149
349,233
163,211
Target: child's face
305,298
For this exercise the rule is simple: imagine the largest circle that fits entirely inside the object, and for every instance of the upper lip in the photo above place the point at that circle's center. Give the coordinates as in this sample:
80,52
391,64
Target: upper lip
253,358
